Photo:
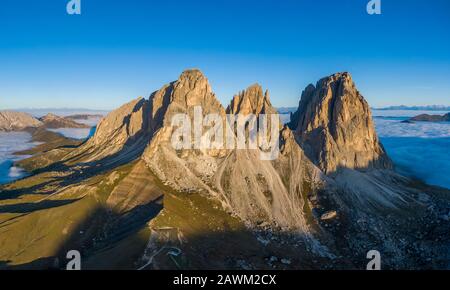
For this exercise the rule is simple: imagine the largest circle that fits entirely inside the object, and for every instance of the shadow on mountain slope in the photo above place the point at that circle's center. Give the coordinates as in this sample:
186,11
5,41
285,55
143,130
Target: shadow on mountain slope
109,241
31,207
6,194
190,231
68,172
100,230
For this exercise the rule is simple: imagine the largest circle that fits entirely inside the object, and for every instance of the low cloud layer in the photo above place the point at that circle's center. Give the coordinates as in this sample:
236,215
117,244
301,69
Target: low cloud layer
393,127
79,134
427,159
418,149
10,143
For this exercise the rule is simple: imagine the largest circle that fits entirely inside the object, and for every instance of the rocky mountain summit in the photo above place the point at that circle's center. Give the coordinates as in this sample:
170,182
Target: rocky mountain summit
431,118
127,195
52,121
17,121
249,187
251,101
334,125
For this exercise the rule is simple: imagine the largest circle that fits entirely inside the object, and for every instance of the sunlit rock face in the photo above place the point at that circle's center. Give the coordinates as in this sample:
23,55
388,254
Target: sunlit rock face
16,121
256,190
191,90
52,121
123,133
187,169
334,126
128,181
251,101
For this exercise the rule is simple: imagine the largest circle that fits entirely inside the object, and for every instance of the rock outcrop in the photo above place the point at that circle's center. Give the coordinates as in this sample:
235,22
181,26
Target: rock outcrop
431,118
334,126
191,90
251,101
125,131
17,121
184,170
51,121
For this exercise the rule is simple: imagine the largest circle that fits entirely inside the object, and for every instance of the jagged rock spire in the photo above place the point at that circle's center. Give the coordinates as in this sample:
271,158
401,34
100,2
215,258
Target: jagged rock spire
251,101
334,126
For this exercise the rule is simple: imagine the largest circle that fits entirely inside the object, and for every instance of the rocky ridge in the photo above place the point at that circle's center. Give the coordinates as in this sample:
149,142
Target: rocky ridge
431,118
122,134
251,101
17,121
52,121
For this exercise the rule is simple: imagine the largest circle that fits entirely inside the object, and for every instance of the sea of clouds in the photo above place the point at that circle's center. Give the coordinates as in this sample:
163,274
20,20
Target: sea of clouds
387,127
11,142
418,149
425,158
79,134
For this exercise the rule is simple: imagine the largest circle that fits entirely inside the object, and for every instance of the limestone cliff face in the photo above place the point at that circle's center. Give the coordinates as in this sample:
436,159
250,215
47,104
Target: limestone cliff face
191,90
125,131
16,121
120,125
271,192
334,126
251,101
184,170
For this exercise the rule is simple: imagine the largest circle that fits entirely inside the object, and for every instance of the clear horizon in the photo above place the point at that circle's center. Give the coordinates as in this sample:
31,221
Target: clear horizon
117,51
108,110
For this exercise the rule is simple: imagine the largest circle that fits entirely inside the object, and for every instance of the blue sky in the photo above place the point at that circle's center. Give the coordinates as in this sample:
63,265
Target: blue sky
118,50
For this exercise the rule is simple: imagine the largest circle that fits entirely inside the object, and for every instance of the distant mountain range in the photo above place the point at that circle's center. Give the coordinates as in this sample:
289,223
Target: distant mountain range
286,110
63,112
20,121
417,108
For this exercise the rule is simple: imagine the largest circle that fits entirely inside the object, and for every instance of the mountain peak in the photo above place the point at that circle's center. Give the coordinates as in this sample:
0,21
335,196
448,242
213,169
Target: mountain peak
192,89
339,76
334,126
52,121
13,121
192,74
251,101
50,116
